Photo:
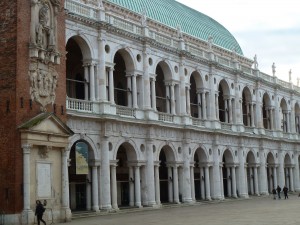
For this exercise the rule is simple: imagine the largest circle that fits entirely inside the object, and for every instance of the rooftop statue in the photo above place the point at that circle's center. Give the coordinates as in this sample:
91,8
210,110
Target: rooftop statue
273,69
255,63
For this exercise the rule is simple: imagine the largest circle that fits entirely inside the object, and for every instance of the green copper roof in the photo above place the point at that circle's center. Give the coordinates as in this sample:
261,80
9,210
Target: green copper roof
192,22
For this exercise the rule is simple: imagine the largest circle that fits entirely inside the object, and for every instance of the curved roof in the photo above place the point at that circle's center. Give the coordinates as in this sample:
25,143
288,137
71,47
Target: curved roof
192,22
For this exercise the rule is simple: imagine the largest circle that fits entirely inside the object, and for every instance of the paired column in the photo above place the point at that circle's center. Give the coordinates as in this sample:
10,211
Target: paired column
113,186
173,111
188,101
207,183
65,180
192,183
137,185
292,179
86,80
157,185
105,176
95,188
153,94
175,183
111,85
256,181
202,183
203,105
131,187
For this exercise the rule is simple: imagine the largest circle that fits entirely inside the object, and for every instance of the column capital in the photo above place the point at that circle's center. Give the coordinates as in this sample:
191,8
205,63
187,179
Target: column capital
26,148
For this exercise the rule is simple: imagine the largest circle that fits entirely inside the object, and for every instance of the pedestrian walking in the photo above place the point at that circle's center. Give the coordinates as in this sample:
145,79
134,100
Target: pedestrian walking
274,193
39,211
285,192
278,189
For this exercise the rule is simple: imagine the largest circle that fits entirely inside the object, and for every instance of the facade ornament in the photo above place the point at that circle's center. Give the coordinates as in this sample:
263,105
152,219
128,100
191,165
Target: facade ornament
43,76
255,63
273,69
179,32
43,83
43,151
144,18
210,42
100,4
290,75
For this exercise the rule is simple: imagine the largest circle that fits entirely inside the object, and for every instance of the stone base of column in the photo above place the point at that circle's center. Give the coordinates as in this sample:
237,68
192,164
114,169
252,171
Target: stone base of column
208,198
27,217
244,196
297,189
106,108
106,207
187,200
96,208
234,196
151,204
264,193
65,215
150,114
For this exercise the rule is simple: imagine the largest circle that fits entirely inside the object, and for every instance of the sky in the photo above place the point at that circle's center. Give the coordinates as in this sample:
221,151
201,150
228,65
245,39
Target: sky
269,29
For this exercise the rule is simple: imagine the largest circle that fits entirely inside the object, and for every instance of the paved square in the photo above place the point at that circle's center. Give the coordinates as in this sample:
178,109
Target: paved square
255,211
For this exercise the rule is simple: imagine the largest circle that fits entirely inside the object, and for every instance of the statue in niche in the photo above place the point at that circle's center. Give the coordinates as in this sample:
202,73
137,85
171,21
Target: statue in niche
44,33
290,75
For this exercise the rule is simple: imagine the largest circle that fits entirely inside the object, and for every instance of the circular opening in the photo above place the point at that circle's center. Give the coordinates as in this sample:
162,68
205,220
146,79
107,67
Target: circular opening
107,48
176,69
138,57
215,80
150,61
154,149
110,146
179,150
185,71
190,151
218,151
257,154
235,153
232,85
142,148
253,92
206,77
210,151
276,155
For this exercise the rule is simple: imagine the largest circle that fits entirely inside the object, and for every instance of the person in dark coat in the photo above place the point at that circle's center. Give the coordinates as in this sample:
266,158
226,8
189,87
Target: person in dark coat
274,193
39,211
278,189
285,192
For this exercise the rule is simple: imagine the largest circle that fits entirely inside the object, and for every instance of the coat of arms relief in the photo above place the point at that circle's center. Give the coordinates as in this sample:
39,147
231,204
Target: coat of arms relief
44,55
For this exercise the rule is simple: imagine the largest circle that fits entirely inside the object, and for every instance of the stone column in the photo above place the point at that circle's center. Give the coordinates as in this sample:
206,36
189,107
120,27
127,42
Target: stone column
153,94
217,106
92,82
131,186
88,192
271,183
296,174
175,183
252,116
157,186
105,176
202,184
256,181
188,101
129,91
150,174
173,111
134,92
95,188
27,214
229,179
170,183
86,78
251,181
292,180
222,182
101,68
186,194
233,182
65,181
114,187
111,86
203,106
230,111
182,101
146,80
226,111
192,183
199,106
137,186
281,169
207,183
275,177
212,101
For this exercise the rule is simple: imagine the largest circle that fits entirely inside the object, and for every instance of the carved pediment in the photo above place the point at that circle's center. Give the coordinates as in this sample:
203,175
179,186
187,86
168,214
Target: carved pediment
46,123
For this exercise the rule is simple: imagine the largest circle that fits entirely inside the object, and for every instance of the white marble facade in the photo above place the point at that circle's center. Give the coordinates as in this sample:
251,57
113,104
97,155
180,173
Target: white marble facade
188,120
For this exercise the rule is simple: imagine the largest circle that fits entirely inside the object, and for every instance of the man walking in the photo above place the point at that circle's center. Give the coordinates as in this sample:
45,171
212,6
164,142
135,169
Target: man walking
278,189
285,192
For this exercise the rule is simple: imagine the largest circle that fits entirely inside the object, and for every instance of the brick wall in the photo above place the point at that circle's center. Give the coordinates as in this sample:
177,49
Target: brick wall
15,104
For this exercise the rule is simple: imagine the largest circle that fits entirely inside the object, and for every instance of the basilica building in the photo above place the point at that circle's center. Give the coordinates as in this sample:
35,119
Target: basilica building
143,103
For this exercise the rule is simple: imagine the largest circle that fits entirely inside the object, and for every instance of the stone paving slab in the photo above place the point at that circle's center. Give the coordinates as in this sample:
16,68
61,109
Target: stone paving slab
254,211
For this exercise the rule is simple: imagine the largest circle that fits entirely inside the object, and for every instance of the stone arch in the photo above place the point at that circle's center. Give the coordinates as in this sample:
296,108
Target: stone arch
270,158
84,44
77,137
246,106
297,117
266,110
79,52
166,68
201,154
224,99
131,149
196,98
196,75
284,115
227,156
127,56
169,151
250,158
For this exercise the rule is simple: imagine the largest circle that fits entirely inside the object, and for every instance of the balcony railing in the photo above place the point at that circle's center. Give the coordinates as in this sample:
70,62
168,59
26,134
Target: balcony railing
197,122
79,105
226,126
81,9
165,117
126,111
